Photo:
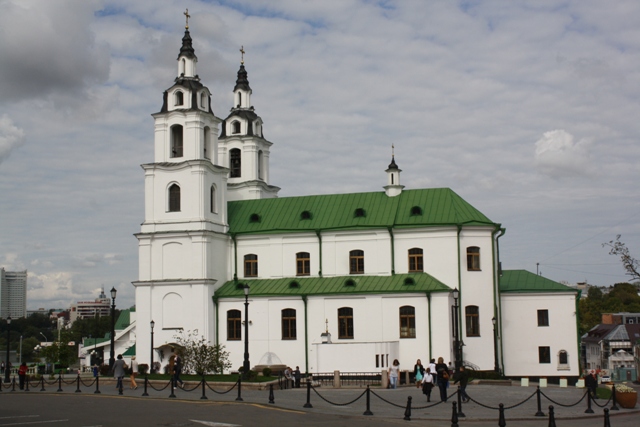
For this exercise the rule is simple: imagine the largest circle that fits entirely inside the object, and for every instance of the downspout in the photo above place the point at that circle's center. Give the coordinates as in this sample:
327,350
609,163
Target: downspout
429,314
497,271
235,257
320,251
306,337
393,257
578,296
459,294
215,304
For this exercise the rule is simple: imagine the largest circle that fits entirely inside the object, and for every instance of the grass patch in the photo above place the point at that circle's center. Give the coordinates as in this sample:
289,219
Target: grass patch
230,378
603,393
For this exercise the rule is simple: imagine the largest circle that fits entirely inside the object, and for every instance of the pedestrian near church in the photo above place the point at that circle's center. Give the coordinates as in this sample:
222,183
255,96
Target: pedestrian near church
591,382
443,378
427,384
418,372
178,370
22,374
432,369
119,371
133,373
394,370
296,376
462,376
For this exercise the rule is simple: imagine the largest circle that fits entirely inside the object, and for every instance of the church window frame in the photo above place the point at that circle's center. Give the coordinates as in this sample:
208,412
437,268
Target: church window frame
235,127
251,265
203,100
260,165
356,261
472,320
303,264
177,141
178,98
544,354
235,163
345,323
239,100
289,331
407,315
207,142
416,264
473,258
563,360
234,325
173,198
212,199
543,317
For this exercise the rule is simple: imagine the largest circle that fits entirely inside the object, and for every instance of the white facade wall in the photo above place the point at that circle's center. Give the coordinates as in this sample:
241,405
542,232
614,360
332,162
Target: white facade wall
522,336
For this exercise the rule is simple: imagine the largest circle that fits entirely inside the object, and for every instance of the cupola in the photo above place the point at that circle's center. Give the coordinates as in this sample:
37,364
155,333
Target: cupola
393,187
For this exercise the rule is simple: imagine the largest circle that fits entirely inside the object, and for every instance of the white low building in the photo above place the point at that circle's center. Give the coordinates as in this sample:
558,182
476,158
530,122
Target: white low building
376,270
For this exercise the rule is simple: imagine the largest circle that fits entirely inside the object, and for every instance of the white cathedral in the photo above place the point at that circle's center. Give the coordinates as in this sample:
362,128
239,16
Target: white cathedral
345,282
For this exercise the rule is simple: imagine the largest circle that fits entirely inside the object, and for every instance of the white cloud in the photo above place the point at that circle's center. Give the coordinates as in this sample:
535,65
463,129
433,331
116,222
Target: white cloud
558,155
11,137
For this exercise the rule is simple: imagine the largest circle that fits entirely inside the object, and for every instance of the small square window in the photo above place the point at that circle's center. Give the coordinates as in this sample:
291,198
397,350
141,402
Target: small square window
543,317
544,354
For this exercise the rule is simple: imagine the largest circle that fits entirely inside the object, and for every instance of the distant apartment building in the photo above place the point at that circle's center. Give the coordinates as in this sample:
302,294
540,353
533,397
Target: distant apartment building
13,294
84,309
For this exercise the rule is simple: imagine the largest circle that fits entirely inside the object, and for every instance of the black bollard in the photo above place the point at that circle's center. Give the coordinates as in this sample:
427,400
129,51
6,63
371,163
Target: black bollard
204,382
552,417
460,413
589,410
26,380
97,385
13,384
172,395
239,398
308,404
59,381
501,421
407,412
607,423
614,407
271,394
42,383
454,415
539,413
78,384
368,410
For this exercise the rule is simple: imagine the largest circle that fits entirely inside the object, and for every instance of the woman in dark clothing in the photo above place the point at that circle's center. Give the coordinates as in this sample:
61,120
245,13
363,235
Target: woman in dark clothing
443,378
463,377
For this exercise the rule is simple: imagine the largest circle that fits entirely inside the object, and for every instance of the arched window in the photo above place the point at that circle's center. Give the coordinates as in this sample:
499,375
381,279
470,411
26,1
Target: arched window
473,258
260,160
234,325
183,66
415,260
563,358
176,141
303,264
473,320
179,98
251,265
407,322
235,163
203,100
345,323
174,198
239,100
235,127
212,199
289,324
356,262
207,142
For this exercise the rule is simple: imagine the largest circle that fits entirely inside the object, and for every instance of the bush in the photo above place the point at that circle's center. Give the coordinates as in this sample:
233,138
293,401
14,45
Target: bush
143,368
104,370
266,371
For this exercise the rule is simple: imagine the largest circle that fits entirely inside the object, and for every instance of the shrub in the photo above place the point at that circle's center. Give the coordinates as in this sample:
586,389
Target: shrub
266,371
143,368
104,370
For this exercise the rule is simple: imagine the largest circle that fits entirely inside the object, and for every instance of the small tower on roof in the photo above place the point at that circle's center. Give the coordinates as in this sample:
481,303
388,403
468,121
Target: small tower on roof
393,187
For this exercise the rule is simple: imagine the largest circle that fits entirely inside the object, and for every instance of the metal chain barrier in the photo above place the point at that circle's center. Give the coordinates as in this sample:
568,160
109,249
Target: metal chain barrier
436,403
340,404
184,388
593,400
160,389
222,392
563,405
391,403
88,385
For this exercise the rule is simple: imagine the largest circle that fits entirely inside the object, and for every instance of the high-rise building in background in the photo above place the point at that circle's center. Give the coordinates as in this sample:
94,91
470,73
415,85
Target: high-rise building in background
96,308
13,294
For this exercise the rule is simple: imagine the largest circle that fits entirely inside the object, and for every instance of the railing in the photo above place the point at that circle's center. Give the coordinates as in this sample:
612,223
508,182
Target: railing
348,379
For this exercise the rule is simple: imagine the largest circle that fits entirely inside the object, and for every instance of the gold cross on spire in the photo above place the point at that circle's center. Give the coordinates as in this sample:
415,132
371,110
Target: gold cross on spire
186,14
242,53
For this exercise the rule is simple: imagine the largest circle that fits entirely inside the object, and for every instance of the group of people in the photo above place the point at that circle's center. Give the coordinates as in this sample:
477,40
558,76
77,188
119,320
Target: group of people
120,369
434,375
293,377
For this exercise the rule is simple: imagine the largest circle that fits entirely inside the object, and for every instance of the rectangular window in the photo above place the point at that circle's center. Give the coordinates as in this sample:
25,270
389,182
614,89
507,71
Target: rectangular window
543,317
356,262
289,324
345,323
415,260
473,320
544,354
473,258
234,325
251,265
303,264
407,322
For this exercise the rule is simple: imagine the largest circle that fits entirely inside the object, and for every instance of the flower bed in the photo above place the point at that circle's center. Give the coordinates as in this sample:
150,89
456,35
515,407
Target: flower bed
626,396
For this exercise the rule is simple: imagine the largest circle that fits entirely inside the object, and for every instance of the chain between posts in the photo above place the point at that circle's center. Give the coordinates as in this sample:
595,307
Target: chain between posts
341,404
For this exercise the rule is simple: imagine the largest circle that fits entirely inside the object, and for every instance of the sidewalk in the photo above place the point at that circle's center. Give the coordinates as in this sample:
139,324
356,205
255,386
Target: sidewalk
384,403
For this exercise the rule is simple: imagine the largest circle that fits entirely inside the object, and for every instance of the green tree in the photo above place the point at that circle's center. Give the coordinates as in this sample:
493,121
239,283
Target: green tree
60,351
199,356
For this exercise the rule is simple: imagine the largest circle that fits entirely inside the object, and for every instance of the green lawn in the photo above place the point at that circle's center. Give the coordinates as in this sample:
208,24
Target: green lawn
231,378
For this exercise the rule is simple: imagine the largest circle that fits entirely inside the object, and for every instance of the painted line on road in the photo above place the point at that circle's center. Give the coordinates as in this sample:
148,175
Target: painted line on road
20,416
214,424
34,422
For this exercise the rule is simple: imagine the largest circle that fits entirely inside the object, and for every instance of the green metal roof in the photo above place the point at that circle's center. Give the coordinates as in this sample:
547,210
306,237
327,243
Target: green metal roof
131,351
525,281
290,286
435,207
123,320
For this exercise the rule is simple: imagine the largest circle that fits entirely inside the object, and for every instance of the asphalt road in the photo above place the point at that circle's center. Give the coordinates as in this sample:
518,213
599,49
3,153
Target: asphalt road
33,409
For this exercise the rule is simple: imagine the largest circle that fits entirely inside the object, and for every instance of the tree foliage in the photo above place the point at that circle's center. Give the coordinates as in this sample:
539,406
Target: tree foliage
620,297
630,264
60,351
199,356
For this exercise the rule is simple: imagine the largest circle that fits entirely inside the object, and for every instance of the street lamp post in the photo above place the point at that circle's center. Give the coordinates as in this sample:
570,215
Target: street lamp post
151,364
112,358
6,365
457,357
495,347
246,365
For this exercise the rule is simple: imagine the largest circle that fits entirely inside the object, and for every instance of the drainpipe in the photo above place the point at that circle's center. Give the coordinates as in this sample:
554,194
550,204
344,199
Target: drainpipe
393,258
579,353
497,272
235,257
217,316
460,293
320,251
306,338
429,314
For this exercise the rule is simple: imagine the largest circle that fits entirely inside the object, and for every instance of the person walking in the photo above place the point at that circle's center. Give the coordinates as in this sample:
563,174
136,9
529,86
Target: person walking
394,370
22,374
418,373
296,376
172,369
432,369
443,378
462,376
133,373
119,371
178,370
427,384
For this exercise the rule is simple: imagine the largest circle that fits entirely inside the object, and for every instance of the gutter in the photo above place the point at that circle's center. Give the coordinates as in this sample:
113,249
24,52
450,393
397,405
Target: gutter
459,314
393,258
215,305
497,305
318,233
430,329
235,257
306,338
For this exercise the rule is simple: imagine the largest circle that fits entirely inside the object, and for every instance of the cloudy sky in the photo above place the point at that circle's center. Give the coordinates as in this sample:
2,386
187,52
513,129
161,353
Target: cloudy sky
527,109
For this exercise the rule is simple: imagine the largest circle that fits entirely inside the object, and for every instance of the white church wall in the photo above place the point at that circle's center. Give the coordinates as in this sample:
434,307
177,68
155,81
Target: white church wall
522,336
293,244
337,245
441,330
